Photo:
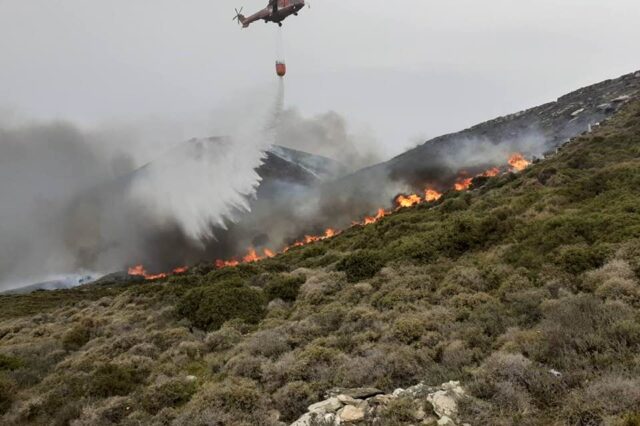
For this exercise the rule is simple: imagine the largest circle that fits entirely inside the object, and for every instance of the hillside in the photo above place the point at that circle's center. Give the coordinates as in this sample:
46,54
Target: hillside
524,289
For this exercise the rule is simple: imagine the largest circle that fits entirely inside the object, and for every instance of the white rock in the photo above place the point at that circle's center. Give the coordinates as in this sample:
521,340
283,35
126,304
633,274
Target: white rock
443,404
330,405
305,420
446,421
346,399
350,414
191,378
397,392
577,112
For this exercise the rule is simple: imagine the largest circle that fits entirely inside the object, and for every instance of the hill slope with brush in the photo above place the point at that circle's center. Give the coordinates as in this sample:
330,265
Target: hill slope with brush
525,289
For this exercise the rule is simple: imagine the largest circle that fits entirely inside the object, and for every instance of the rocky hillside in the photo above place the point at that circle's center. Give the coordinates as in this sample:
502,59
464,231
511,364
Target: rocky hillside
514,303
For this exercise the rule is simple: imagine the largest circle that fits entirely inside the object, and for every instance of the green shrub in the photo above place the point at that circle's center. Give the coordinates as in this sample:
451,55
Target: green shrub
7,394
10,363
211,306
578,259
293,399
77,337
361,265
115,380
171,393
284,287
399,411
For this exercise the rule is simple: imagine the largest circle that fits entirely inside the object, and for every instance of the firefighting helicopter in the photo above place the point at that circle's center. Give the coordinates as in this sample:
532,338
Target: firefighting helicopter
276,12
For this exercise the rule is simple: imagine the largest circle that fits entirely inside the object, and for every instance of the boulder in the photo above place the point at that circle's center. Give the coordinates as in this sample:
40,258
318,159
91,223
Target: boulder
446,421
352,414
330,405
356,393
346,399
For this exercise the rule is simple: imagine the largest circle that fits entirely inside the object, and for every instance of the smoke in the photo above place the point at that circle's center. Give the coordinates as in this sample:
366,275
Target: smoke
73,200
327,135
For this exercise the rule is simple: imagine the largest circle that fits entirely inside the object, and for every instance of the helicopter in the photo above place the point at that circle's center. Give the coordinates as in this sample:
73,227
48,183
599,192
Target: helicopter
276,12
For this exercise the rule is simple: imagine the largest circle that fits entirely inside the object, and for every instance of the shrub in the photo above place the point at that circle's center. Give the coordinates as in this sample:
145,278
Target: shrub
293,399
211,306
114,380
77,337
10,363
284,287
360,265
169,393
7,394
399,411
577,259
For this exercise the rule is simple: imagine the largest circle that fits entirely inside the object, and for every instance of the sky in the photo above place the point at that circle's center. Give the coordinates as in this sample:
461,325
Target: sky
401,71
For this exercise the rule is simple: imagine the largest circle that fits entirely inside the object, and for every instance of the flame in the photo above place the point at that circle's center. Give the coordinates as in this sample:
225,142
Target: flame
370,220
463,184
491,172
407,200
431,195
518,162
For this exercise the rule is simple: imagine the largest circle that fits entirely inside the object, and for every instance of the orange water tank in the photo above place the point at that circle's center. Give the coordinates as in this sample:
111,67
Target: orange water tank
281,68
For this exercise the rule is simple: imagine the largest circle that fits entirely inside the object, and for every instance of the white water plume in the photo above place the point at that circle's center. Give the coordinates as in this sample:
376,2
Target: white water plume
205,182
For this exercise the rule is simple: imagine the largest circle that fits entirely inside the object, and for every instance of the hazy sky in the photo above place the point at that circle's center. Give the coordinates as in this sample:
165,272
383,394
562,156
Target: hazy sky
404,70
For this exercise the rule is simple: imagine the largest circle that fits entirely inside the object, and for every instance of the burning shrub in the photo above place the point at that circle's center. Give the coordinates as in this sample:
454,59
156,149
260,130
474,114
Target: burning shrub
211,306
284,287
361,265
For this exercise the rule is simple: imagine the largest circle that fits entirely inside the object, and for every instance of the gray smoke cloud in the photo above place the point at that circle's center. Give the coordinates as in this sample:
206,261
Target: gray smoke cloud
73,200
328,135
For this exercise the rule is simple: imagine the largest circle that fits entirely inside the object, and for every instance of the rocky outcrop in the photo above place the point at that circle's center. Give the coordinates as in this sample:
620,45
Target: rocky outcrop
427,405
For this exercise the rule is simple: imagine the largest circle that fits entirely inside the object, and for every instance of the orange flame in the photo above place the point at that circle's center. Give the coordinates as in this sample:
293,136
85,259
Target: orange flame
518,162
373,219
491,172
431,195
463,184
407,200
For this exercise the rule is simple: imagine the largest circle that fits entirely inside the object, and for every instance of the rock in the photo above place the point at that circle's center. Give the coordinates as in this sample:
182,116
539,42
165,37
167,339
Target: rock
351,414
346,399
381,399
398,392
446,421
310,419
556,373
443,404
623,98
305,420
276,304
577,112
330,405
191,378
357,393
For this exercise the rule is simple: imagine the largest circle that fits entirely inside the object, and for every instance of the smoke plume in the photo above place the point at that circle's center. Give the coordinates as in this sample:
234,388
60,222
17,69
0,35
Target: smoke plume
72,200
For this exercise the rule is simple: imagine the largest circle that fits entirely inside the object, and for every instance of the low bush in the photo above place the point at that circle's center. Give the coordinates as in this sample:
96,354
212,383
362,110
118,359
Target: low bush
169,393
284,287
115,380
10,363
77,337
211,306
360,265
7,394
